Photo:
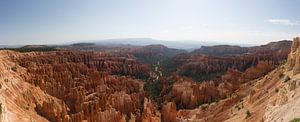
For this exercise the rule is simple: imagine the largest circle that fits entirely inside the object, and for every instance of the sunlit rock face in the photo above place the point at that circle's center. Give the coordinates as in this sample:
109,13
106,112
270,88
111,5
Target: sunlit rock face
169,112
294,56
74,86
188,94
206,63
91,86
150,112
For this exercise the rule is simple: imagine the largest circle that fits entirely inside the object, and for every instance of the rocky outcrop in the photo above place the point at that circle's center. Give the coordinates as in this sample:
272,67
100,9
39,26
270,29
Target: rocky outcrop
125,103
72,86
264,94
202,65
169,112
153,53
90,85
221,50
150,112
187,93
293,61
115,64
57,112
109,115
280,47
18,98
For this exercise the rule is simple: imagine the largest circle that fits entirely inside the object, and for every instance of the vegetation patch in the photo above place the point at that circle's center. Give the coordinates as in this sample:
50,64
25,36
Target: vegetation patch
153,88
14,69
248,114
281,75
31,49
286,79
276,90
295,120
238,107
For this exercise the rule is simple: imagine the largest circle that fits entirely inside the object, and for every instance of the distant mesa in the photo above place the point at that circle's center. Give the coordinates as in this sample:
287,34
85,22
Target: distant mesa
30,48
35,46
179,44
83,44
221,50
231,50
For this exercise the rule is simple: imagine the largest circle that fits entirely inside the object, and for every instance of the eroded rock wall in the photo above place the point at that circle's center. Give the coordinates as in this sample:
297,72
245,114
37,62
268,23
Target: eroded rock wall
91,86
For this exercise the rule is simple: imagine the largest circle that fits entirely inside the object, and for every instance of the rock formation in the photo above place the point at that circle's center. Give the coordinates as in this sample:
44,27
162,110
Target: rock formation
150,112
187,93
202,65
91,86
169,112
293,58
108,86
280,47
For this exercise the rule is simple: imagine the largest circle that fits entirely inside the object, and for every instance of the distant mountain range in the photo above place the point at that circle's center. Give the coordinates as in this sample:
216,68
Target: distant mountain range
10,46
180,44
188,45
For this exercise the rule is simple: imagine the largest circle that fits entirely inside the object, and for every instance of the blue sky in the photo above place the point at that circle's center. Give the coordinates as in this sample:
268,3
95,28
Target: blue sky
229,21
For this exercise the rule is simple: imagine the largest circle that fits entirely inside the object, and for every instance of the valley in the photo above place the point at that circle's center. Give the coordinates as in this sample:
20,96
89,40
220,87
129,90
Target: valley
152,83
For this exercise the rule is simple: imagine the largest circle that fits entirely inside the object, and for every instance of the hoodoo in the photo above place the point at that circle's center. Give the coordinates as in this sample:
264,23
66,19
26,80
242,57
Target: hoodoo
293,62
108,86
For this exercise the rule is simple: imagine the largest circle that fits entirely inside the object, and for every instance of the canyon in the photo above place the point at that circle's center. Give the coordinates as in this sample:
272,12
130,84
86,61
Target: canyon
154,83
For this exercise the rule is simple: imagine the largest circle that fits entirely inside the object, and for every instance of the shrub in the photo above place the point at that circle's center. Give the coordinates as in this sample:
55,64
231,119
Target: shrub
286,79
153,88
295,120
204,106
238,107
14,69
248,113
281,75
276,90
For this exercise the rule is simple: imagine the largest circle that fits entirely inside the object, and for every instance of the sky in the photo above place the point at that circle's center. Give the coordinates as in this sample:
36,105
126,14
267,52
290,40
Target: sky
227,21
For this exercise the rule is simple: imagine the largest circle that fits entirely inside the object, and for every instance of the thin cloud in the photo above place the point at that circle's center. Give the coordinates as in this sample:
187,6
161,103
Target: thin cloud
284,22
